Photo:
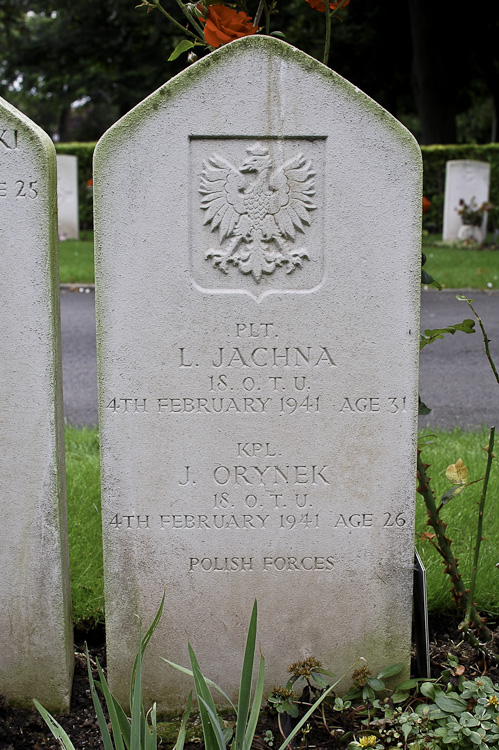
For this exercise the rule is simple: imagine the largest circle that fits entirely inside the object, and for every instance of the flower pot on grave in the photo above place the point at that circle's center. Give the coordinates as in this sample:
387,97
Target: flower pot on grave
470,232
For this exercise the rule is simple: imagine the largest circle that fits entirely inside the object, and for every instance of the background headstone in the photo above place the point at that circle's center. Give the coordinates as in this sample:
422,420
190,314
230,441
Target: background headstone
67,197
464,179
258,267
35,612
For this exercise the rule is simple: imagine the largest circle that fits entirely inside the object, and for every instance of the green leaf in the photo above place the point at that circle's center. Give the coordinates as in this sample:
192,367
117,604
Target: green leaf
182,46
136,704
423,410
257,704
55,727
106,737
425,276
429,280
211,731
189,672
179,745
475,738
391,670
409,684
452,492
246,680
375,684
450,705
278,34
399,696
368,693
215,725
319,680
123,721
432,334
112,708
428,690
321,670
152,736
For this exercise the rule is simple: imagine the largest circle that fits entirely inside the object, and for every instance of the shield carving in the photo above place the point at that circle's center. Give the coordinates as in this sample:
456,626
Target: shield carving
257,214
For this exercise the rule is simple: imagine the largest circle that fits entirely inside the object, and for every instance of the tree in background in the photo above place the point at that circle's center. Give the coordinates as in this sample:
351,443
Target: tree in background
435,66
107,55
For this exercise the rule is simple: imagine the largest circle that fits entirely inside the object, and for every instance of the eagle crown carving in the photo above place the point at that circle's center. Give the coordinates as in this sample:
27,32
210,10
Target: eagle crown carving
258,210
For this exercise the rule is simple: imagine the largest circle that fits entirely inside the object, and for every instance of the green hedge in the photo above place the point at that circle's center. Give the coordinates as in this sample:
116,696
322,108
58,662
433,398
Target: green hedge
84,152
434,160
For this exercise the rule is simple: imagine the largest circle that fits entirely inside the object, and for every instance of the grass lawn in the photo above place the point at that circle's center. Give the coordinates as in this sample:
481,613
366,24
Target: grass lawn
85,537
84,525
459,267
76,260
454,267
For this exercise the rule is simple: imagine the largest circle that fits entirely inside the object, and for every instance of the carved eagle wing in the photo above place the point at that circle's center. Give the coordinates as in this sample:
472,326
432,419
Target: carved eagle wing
221,186
293,188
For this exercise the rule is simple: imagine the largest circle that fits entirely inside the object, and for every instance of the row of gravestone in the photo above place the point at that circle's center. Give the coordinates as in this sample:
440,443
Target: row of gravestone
466,180
257,234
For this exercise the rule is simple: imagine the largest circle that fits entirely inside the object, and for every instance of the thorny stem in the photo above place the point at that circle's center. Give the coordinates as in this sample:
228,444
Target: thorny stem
485,338
490,456
443,546
190,18
157,4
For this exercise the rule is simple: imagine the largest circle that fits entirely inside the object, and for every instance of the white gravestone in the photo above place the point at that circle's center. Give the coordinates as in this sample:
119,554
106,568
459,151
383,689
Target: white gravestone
67,197
35,610
464,180
258,326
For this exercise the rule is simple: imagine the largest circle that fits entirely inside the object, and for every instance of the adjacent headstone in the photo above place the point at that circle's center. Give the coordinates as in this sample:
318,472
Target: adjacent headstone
258,265
67,197
35,611
464,180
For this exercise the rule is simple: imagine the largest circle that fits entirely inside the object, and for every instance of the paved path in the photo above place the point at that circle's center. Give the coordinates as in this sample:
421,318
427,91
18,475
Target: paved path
455,378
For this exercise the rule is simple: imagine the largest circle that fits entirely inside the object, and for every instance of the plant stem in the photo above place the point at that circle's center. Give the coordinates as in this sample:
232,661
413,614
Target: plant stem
485,339
190,18
443,546
158,5
478,542
258,15
329,14
327,43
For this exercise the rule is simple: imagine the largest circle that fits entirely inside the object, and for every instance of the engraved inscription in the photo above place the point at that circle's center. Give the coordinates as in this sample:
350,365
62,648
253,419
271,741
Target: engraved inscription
257,209
19,189
288,563
8,139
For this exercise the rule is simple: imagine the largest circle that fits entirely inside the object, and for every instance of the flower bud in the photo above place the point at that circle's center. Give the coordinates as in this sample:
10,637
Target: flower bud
192,57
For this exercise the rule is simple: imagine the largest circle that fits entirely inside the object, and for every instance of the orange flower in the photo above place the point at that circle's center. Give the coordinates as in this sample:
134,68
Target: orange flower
226,24
321,5
426,204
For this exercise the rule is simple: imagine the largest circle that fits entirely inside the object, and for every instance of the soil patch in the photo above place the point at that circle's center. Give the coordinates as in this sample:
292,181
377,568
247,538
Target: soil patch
26,730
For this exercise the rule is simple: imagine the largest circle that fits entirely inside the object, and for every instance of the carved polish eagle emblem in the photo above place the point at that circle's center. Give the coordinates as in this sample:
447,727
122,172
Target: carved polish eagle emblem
258,210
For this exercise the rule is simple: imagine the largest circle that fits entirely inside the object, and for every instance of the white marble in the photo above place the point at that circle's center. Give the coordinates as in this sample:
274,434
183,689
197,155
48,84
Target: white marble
35,610
464,179
67,197
258,261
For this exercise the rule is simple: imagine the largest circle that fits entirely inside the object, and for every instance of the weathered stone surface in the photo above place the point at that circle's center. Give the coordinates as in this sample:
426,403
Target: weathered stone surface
258,266
67,197
35,611
466,180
